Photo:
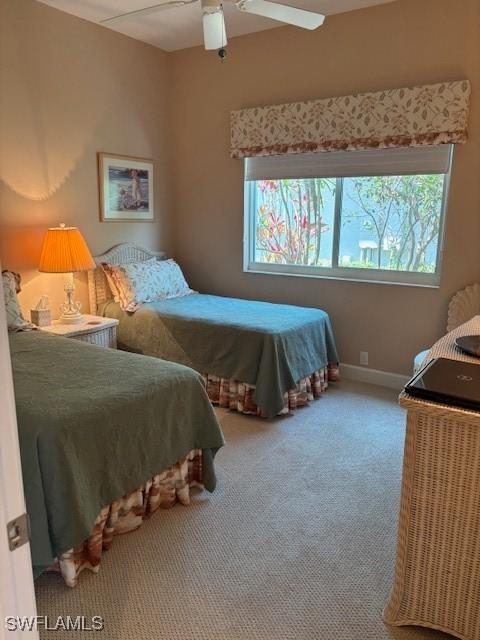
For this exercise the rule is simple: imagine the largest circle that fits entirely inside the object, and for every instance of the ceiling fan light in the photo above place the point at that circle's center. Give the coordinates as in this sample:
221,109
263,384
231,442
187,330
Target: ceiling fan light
214,33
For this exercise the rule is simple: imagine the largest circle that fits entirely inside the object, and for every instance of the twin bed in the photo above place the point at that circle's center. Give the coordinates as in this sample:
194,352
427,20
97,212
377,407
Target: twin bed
108,436
255,357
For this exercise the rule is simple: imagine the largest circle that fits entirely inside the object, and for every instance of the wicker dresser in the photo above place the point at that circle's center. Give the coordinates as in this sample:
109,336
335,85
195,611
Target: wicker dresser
437,573
93,329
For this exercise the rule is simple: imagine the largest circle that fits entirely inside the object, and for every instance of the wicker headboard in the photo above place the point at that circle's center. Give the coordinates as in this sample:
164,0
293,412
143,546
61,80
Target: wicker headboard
98,289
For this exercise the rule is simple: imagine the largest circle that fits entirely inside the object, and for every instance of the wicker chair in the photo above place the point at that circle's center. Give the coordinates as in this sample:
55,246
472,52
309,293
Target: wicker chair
463,306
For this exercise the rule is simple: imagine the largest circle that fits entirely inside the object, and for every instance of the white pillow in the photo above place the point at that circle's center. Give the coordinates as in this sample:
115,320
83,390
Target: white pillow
15,319
135,283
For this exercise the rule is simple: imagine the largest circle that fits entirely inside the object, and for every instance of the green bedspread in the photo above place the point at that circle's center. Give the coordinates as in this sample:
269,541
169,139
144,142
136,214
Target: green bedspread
94,424
271,346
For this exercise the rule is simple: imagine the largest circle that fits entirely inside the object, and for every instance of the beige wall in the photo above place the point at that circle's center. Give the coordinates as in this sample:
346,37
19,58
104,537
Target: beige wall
394,45
68,89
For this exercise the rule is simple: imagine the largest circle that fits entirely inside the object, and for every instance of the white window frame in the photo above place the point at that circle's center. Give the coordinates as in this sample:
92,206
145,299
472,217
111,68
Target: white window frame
336,272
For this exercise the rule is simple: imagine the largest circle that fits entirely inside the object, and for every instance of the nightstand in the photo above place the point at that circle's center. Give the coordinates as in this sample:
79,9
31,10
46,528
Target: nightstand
93,329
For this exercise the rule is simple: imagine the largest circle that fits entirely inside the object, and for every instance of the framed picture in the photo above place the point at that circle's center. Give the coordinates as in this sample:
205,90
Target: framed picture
126,188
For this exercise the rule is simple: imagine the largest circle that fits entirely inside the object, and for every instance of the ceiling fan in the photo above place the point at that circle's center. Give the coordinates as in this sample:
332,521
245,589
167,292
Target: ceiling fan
214,32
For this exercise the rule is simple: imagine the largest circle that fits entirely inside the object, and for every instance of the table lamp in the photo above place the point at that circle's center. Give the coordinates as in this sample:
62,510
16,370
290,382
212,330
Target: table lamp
64,250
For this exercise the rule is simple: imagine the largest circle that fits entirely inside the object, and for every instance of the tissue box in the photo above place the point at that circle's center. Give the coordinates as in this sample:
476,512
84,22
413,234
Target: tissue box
40,317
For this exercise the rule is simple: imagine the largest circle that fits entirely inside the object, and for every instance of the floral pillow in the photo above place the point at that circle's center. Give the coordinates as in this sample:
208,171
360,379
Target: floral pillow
116,277
15,319
135,283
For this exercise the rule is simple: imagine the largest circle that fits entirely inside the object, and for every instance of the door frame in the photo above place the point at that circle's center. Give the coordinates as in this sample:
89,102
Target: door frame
17,593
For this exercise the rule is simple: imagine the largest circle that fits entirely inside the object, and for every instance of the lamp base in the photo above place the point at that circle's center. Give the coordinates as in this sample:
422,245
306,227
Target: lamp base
70,309
71,318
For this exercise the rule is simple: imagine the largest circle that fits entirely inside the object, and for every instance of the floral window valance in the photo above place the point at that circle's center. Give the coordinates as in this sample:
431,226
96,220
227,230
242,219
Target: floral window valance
426,115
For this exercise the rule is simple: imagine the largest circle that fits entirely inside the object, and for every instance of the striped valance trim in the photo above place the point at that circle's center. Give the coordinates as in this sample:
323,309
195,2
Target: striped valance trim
426,115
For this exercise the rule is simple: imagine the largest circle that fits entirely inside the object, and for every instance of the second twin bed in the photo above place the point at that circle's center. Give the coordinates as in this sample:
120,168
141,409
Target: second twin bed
256,357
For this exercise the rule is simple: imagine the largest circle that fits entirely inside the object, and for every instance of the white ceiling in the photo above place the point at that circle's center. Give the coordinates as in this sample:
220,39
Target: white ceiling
180,27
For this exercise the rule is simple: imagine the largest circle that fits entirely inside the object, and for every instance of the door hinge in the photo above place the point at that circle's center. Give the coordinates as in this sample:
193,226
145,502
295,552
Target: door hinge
18,532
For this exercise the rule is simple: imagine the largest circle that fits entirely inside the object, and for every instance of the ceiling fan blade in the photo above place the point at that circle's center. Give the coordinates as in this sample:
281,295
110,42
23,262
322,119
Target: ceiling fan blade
146,11
214,33
282,13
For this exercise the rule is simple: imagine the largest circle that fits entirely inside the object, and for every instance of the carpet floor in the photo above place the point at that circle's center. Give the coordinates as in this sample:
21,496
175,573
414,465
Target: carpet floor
296,543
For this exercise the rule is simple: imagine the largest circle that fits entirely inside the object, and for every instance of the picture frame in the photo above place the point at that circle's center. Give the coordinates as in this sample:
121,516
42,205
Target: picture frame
125,188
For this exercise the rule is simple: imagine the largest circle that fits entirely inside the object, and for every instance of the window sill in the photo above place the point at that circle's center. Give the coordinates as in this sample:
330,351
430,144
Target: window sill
426,281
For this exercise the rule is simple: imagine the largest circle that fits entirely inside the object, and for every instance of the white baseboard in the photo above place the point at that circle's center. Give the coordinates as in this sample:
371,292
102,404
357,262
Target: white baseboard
373,376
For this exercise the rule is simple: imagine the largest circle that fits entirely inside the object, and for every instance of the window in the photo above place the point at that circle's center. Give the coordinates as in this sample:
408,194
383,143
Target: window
367,215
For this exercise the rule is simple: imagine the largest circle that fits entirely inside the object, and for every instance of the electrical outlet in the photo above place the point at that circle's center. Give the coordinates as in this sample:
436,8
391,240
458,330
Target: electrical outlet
364,358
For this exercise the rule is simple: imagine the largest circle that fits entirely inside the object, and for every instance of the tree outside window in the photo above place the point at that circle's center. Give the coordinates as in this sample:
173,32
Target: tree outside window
379,222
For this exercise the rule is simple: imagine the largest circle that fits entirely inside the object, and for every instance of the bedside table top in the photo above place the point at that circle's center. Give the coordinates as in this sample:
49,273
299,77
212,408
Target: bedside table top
90,324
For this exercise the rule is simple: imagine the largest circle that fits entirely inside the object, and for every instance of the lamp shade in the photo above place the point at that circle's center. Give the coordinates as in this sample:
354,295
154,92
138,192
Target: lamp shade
64,250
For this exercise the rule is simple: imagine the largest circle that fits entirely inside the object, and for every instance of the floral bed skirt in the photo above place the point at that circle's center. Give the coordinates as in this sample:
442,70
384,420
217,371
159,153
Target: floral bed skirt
127,513
238,396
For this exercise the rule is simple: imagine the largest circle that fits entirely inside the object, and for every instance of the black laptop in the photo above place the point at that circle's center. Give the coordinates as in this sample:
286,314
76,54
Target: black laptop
448,382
